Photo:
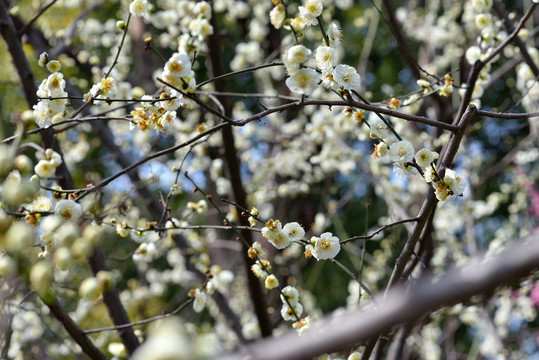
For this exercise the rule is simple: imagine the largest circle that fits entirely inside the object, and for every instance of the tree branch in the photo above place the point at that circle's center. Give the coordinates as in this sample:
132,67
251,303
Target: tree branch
73,329
233,163
401,306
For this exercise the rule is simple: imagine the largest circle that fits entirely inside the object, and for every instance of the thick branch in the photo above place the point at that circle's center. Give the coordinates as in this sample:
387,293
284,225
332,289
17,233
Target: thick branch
116,310
74,331
402,306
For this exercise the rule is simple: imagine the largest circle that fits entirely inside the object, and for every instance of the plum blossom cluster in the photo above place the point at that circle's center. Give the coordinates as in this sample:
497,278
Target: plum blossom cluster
451,184
405,161
52,95
161,113
281,237
186,24
292,308
46,167
304,80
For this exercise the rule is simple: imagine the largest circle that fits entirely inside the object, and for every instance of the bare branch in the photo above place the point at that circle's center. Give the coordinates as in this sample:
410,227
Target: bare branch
35,17
366,237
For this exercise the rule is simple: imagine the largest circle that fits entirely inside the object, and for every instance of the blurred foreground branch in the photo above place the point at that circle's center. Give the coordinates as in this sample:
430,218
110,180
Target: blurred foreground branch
402,305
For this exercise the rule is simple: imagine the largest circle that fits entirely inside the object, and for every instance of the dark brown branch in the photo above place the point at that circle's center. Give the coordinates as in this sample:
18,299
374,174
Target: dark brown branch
366,237
216,66
508,116
116,310
74,331
356,279
393,25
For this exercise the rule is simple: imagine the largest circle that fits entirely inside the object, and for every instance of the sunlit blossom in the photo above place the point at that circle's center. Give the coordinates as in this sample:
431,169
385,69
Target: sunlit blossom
303,82
325,58
310,11
138,8
200,301
425,157
401,152
68,210
347,77
326,246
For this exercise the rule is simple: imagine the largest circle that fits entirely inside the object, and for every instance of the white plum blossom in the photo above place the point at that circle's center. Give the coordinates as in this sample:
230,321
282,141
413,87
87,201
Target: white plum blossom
292,309
259,268
325,58
303,82
146,252
311,10
179,65
271,282
43,59
68,210
41,204
291,294
456,183
440,190
274,233
425,157
291,313
177,71
294,231
401,152
403,170
429,174
174,101
200,301
294,57
380,150
54,66
277,16
203,9
378,127
45,169
347,77
335,35
53,99
138,8
473,54
325,247
117,349
201,28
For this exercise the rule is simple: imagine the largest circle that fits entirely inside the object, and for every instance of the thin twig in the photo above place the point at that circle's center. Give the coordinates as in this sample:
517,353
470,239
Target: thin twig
356,279
141,322
35,17
366,237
